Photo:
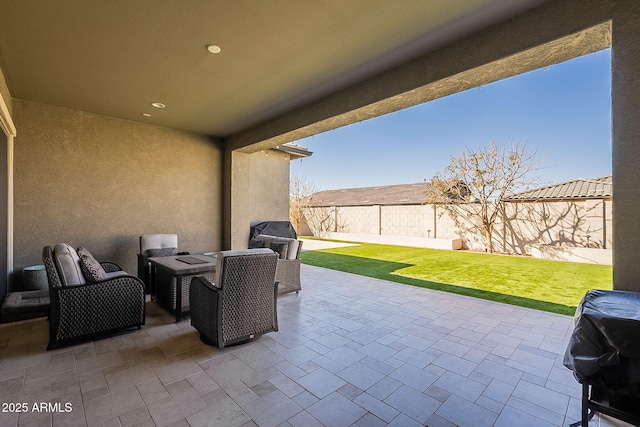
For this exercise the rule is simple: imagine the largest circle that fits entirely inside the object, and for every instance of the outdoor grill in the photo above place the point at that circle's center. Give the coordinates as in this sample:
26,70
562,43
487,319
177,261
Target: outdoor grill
604,355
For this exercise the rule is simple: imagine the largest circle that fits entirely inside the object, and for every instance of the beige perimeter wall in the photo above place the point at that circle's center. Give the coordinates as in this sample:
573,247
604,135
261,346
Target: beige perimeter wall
100,182
585,223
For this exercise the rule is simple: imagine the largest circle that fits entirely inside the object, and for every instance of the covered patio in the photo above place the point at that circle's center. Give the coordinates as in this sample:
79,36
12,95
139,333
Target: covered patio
85,160
351,351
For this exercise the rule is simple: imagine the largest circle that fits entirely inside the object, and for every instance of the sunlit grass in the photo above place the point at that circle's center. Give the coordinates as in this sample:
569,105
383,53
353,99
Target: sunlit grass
553,286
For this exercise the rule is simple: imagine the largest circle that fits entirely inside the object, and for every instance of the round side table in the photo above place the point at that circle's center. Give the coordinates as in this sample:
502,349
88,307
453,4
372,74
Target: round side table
34,278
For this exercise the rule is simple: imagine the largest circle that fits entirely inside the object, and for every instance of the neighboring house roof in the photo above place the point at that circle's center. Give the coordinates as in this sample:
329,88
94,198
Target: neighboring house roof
403,194
416,194
597,188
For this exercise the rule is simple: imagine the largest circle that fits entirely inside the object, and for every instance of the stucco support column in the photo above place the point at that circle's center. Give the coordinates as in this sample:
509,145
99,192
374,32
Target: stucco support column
236,218
625,93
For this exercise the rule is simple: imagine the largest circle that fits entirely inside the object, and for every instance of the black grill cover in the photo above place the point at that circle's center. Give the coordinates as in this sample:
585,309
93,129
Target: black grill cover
273,228
604,349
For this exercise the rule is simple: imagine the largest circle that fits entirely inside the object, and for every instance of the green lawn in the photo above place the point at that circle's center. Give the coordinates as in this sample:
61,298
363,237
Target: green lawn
553,286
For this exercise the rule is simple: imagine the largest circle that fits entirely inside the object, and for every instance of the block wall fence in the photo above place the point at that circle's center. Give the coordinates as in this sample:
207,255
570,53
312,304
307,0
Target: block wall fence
522,225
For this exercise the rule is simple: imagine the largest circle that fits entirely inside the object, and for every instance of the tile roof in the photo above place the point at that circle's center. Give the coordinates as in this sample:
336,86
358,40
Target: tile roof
597,188
403,194
415,194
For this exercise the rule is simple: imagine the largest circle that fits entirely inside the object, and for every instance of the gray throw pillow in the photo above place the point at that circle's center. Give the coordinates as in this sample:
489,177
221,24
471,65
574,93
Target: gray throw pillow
281,248
91,268
160,252
256,243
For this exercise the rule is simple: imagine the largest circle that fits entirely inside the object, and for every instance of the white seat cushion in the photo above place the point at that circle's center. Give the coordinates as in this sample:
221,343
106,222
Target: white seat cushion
158,241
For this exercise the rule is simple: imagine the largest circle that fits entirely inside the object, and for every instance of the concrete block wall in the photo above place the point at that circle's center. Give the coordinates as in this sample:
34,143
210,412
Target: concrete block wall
555,224
403,220
358,219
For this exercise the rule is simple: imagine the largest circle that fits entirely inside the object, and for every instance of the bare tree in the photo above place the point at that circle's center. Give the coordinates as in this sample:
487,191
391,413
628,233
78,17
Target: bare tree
300,192
476,183
307,210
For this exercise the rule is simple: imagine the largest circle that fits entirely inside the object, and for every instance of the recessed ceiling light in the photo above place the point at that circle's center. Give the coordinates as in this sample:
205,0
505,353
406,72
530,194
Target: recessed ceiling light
146,114
158,105
212,48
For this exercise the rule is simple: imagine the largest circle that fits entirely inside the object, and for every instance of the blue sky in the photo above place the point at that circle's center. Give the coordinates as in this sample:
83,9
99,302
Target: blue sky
564,110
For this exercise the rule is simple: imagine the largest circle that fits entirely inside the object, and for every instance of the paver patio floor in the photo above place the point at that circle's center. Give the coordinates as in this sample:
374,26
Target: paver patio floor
351,351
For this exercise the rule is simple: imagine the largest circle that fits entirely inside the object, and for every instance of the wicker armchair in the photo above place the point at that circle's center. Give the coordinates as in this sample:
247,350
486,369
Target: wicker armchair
288,270
241,305
81,309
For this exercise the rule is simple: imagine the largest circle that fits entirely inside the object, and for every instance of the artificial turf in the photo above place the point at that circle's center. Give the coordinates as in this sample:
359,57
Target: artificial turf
554,286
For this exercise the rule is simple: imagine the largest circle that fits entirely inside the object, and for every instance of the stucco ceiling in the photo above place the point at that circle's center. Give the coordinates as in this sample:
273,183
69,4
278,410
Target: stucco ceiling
116,57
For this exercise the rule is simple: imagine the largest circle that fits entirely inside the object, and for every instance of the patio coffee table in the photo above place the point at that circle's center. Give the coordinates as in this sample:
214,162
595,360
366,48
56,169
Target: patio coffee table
178,267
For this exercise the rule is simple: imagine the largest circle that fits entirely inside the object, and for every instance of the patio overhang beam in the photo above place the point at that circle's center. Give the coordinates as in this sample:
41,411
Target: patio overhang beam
549,34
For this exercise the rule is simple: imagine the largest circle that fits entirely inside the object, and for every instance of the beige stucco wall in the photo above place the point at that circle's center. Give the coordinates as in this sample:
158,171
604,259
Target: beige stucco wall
625,94
269,186
100,182
559,223
256,188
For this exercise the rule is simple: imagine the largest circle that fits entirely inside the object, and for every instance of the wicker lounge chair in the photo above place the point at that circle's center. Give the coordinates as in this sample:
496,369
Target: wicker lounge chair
288,269
241,305
82,309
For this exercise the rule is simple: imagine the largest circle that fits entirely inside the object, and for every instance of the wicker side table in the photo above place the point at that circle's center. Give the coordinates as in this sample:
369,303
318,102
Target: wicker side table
34,278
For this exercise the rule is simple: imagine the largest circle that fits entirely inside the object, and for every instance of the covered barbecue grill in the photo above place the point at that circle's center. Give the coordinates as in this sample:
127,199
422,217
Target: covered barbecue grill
604,355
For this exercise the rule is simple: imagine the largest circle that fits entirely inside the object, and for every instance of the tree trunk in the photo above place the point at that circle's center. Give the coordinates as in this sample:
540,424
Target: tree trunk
489,237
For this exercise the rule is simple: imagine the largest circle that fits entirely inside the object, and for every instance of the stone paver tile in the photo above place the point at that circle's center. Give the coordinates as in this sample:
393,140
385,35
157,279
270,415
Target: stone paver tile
414,377
451,347
345,356
376,407
436,420
542,397
512,417
370,420
321,382
286,385
383,388
535,410
303,419
336,410
112,405
176,407
177,371
460,386
403,420
378,351
464,413
222,412
497,371
412,403
419,359
271,409
499,391
455,364
360,375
